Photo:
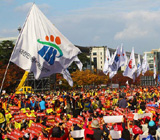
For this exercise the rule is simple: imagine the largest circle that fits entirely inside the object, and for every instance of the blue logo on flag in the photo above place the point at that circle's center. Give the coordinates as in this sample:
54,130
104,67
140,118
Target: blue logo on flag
50,50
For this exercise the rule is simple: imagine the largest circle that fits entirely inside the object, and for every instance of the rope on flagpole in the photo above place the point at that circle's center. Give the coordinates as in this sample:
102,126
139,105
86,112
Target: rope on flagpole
4,77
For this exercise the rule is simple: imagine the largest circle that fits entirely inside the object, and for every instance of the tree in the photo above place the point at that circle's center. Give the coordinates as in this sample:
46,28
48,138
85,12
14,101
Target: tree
83,78
14,73
6,48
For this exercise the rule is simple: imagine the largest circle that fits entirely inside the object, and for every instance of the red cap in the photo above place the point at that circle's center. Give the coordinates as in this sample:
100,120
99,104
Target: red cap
137,130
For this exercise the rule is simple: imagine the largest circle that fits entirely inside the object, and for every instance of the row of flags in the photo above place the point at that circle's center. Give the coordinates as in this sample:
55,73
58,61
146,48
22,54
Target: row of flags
119,59
42,49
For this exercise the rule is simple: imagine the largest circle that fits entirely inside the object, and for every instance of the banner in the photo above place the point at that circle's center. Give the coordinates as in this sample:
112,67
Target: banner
113,119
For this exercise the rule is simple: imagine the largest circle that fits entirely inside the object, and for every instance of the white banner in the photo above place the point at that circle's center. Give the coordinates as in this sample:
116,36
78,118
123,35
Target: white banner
77,133
115,134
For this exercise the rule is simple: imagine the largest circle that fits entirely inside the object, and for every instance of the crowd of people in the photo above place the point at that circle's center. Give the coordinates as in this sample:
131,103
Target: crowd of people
81,115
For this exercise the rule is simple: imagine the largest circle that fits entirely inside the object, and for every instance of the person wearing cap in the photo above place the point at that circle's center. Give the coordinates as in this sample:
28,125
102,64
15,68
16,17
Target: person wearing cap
152,130
98,133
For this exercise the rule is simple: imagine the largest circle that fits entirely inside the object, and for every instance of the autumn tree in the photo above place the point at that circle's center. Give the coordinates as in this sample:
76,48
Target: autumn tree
14,73
83,78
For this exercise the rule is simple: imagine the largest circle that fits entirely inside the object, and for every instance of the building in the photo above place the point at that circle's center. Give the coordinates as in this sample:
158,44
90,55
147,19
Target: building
154,53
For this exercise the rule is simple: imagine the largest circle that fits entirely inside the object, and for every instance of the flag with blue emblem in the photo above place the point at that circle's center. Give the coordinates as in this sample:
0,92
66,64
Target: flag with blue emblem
41,48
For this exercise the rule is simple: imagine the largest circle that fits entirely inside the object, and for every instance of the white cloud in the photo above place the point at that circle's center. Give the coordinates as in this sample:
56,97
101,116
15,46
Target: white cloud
132,32
96,38
27,6
24,8
8,32
133,22
9,1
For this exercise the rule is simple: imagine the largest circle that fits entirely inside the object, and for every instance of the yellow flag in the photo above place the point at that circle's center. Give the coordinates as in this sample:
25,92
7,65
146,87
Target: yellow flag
2,119
49,110
30,123
17,125
8,116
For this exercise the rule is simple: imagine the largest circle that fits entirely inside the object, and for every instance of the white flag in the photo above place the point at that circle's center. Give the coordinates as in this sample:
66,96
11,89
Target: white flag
139,67
112,73
78,63
41,48
115,61
67,76
145,66
123,57
120,59
107,61
127,82
155,71
131,67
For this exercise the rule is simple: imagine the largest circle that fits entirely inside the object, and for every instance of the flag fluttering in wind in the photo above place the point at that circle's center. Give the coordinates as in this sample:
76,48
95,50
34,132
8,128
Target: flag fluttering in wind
67,76
41,48
139,66
123,57
155,71
115,64
145,66
119,59
131,67
111,72
78,63
107,61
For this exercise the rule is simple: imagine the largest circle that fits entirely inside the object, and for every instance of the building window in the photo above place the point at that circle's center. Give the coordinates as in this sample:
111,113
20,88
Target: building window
101,58
94,53
101,62
95,62
101,67
150,61
101,53
151,66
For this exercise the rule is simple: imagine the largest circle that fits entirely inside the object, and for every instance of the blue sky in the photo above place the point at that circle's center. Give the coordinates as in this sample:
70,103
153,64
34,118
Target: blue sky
135,23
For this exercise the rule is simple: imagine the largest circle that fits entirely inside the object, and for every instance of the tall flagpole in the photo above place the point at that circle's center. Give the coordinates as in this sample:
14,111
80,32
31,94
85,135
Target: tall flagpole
4,77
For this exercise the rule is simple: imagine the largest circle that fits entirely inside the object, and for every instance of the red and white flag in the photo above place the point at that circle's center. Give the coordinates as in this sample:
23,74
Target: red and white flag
131,67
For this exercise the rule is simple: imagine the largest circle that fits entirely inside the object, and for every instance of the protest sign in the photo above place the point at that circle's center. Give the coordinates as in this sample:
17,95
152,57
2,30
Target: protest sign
115,134
77,133
113,119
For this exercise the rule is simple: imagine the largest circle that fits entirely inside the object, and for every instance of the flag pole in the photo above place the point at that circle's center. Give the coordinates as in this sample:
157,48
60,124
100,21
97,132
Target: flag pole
4,77
20,30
